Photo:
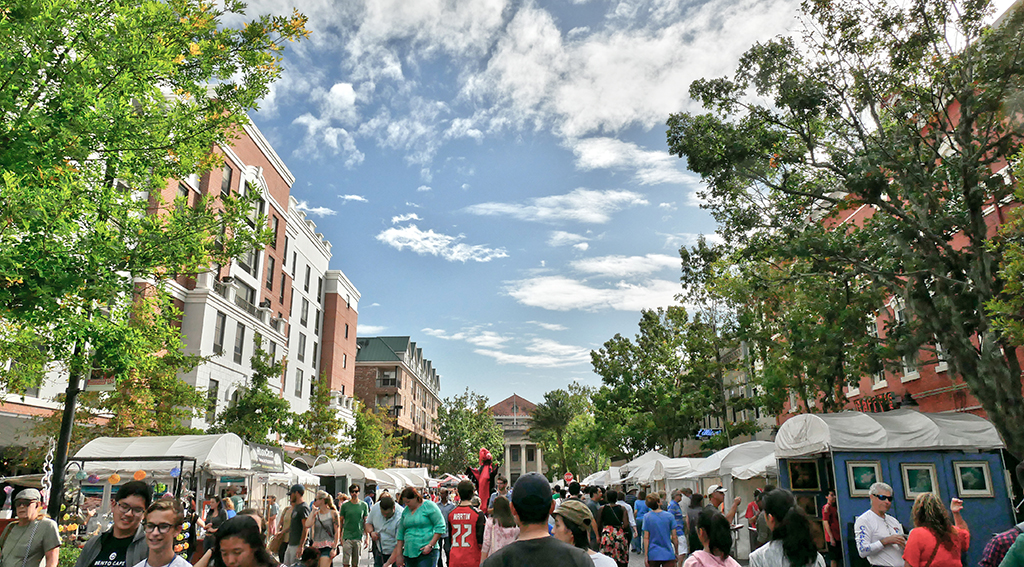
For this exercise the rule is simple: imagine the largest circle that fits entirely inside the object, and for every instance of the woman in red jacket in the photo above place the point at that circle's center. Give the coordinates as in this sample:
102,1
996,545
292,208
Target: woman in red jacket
937,540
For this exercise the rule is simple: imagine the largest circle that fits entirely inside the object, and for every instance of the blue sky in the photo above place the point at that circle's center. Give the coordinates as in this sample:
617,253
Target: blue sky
494,175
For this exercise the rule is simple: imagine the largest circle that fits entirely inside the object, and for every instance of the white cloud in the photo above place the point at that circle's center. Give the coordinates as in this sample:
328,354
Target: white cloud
423,188
668,206
652,166
403,218
580,205
321,135
315,211
549,326
563,238
559,293
366,330
626,266
358,198
473,336
544,353
676,240
582,246
437,244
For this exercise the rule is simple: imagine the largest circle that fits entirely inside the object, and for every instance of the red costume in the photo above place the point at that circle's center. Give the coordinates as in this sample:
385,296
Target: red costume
483,477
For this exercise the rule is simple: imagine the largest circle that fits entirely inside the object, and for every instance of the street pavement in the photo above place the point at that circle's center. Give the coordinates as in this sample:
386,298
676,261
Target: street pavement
366,560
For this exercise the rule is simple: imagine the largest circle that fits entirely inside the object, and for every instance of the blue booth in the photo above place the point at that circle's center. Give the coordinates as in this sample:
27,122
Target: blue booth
955,455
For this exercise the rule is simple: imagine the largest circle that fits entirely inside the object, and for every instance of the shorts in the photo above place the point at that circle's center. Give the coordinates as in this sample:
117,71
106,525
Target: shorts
350,547
835,553
681,546
325,552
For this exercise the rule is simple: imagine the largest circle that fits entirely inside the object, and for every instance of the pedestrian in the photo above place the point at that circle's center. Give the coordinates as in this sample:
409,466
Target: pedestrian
382,525
997,547
716,499
500,528
830,525
591,500
1015,555
661,541
678,507
370,496
692,537
572,525
612,525
216,514
325,523
640,509
419,530
632,533
531,506
465,528
353,521
298,532
792,544
162,527
879,536
33,537
446,506
273,510
715,537
238,503
240,544
500,489
228,506
279,543
125,540
936,540
575,491
753,509
764,534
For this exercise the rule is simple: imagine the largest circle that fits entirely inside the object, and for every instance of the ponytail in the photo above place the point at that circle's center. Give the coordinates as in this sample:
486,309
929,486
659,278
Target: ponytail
792,527
718,530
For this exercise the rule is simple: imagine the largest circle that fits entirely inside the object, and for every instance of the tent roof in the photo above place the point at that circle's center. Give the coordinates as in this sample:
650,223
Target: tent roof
674,469
294,475
641,474
603,478
225,453
345,468
723,462
412,477
648,457
766,466
899,430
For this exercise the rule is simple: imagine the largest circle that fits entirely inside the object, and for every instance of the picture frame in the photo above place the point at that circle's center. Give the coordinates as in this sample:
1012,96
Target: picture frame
803,475
809,504
919,478
861,475
973,479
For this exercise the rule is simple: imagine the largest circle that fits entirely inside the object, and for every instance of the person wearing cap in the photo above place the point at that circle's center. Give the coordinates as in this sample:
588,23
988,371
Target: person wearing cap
33,537
716,497
531,506
572,525
124,544
298,532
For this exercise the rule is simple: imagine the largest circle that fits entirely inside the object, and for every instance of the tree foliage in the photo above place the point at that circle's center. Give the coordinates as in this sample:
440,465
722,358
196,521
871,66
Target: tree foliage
374,442
465,425
103,104
907,111
260,414
321,428
584,452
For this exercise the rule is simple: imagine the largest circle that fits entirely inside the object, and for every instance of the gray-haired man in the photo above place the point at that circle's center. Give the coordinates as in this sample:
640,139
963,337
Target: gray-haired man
879,536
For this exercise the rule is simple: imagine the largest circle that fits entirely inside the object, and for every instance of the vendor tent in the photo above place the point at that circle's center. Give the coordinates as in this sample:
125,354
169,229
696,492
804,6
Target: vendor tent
642,474
603,478
354,472
417,477
764,467
674,469
648,457
293,475
224,454
737,456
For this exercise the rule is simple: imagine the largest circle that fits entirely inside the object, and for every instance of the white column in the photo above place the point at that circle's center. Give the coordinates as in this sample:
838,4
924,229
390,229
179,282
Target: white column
507,464
522,459
540,461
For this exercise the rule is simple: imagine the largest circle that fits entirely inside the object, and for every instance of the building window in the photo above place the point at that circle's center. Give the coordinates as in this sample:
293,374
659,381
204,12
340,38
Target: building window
211,400
273,350
302,347
283,286
225,180
249,261
270,273
909,361
872,330
305,287
346,330
239,342
319,288
513,452
218,333
313,361
295,261
298,383
316,323
531,454
387,379
304,316
275,223
291,303
344,360
284,257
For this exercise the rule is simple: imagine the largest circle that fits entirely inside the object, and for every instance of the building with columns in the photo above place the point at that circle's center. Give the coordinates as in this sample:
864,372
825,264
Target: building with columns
521,454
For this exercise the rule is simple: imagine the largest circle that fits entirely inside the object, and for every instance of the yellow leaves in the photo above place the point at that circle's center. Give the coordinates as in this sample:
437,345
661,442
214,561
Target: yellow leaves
179,59
194,48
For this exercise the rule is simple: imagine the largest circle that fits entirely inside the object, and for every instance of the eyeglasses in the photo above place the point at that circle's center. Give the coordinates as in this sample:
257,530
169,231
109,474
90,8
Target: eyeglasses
883,497
20,503
126,509
160,528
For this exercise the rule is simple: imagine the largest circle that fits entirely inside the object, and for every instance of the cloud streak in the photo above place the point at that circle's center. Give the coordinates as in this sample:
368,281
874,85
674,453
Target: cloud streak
560,293
430,243
580,205
315,211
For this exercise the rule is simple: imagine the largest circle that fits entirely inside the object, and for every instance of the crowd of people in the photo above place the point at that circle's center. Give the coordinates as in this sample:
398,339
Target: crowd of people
528,524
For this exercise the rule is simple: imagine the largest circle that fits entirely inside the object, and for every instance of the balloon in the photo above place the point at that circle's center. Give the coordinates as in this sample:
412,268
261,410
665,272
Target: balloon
80,475
175,472
92,479
139,475
114,478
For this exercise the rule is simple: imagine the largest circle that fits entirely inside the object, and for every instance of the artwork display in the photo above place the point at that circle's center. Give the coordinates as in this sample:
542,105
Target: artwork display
809,504
803,475
973,479
861,475
918,479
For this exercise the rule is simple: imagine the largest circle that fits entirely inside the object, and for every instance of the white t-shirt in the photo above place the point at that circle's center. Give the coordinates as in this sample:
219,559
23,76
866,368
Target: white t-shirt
602,560
178,561
869,530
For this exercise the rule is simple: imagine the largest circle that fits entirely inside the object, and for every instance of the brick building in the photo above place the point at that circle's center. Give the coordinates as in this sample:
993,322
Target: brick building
522,455
390,372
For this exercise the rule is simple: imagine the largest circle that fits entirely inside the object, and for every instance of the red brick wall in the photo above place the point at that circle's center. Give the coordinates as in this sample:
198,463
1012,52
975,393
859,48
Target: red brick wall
338,358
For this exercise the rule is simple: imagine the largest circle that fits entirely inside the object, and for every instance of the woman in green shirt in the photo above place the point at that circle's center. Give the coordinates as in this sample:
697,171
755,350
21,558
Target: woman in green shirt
419,530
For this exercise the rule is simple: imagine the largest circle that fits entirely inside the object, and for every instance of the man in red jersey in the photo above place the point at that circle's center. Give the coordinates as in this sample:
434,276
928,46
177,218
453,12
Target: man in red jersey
465,529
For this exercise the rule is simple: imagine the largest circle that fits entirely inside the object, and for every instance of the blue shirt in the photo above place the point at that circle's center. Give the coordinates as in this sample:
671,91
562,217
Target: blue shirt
641,509
660,524
677,513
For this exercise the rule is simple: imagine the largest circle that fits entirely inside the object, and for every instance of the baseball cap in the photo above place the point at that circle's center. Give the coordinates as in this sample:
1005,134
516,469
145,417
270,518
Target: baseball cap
531,490
298,488
575,511
715,488
30,494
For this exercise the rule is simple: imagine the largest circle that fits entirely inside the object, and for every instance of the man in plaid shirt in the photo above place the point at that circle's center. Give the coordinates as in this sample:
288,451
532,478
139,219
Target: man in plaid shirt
1000,543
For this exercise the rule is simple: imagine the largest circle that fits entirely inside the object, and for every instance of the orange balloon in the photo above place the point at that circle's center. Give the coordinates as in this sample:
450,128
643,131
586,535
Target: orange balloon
114,478
139,475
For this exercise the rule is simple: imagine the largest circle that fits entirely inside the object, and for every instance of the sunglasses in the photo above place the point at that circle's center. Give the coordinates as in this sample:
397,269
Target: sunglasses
883,497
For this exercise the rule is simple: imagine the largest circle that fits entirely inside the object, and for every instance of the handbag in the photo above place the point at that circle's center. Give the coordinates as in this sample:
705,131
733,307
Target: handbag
934,553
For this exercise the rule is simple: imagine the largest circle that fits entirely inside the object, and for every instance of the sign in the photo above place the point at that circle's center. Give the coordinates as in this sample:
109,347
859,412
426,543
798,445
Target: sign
100,383
707,433
231,479
265,458
568,477
882,402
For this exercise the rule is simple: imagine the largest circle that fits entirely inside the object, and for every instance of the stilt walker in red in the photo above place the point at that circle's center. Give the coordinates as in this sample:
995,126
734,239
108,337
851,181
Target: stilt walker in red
483,477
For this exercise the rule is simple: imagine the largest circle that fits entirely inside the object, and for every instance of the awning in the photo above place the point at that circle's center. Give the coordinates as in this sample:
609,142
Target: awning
642,474
723,462
294,475
345,468
675,469
899,430
765,467
224,454
648,457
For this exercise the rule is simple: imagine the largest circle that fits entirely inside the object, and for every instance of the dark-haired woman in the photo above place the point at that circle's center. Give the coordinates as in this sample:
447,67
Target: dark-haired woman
501,528
612,524
715,536
791,544
692,512
572,525
240,544
419,529
215,516
936,540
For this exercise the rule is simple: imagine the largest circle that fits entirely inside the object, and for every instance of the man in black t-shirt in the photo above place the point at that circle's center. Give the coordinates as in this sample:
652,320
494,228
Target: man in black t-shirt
531,506
124,544
298,531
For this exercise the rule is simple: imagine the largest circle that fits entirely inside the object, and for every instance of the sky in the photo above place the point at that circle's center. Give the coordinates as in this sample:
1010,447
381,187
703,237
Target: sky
493,175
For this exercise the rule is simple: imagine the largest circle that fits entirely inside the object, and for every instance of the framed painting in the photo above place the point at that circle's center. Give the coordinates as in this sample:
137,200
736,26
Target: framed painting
973,479
861,475
803,476
918,478
809,504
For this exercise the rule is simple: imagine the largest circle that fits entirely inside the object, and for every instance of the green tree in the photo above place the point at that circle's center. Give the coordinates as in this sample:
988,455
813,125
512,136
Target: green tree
553,416
584,453
259,411
103,104
374,442
321,427
465,425
908,111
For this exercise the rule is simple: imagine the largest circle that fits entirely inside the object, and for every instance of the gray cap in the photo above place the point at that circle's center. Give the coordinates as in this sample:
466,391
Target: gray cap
30,494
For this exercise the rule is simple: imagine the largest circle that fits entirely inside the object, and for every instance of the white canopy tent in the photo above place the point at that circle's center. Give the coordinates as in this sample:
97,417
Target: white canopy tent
765,467
641,474
293,475
224,454
898,430
603,478
648,457
417,477
671,474
721,463
388,480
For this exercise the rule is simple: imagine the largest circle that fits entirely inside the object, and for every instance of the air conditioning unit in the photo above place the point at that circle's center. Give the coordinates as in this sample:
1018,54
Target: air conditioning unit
265,304
227,279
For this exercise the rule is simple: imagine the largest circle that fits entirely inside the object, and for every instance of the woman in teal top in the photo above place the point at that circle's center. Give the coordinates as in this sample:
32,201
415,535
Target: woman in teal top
419,530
